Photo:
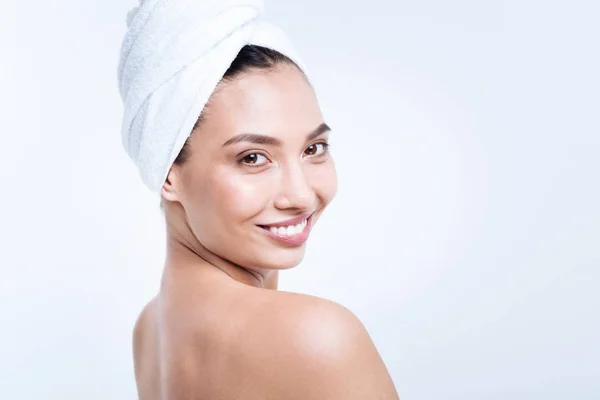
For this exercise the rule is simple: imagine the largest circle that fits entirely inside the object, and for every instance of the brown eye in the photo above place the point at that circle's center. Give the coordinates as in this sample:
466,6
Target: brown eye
316,149
253,159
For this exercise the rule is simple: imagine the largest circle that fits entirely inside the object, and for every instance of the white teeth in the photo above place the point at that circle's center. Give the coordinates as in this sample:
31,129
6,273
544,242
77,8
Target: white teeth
288,230
300,227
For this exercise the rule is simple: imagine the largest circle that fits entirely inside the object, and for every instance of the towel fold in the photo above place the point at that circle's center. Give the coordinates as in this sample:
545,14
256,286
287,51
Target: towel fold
173,55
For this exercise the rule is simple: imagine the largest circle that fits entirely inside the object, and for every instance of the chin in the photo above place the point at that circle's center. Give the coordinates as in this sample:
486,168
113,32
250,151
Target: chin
281,259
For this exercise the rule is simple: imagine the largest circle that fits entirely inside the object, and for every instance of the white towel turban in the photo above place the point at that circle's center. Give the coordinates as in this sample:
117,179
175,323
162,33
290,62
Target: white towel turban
173,55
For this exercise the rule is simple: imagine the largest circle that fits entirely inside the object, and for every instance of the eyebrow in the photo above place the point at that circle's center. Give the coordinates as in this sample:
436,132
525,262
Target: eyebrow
270,140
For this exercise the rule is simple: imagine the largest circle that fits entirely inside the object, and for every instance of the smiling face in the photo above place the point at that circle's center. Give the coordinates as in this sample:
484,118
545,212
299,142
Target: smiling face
259,173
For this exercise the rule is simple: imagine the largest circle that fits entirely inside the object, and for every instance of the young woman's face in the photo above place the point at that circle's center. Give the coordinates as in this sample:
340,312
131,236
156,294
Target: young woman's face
259,174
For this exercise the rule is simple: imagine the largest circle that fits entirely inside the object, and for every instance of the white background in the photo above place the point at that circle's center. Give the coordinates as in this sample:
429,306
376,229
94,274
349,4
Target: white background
465,234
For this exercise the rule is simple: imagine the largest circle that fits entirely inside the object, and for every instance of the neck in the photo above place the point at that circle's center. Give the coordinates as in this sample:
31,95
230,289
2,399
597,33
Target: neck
184,252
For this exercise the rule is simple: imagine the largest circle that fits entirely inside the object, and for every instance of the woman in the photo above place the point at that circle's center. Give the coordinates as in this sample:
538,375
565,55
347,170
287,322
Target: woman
240,199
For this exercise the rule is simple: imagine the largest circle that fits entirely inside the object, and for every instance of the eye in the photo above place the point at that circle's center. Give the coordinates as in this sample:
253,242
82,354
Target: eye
253,159
316,149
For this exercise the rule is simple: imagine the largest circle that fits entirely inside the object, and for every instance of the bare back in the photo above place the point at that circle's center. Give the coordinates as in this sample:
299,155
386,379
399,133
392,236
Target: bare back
208,338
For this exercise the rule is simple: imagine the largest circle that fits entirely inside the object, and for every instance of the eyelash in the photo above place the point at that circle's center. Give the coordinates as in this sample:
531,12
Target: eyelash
326,148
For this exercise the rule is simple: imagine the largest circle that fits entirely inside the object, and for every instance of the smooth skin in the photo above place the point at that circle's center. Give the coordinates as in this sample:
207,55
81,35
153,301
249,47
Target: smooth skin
219,328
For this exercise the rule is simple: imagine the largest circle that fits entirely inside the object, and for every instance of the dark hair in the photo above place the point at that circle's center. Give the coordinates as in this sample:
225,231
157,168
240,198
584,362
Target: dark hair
250,57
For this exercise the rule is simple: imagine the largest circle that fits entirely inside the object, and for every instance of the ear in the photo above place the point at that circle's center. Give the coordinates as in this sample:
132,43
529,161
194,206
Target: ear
170,188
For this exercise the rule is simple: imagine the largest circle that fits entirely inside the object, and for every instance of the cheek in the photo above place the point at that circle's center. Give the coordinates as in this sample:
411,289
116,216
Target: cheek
324,181
239,197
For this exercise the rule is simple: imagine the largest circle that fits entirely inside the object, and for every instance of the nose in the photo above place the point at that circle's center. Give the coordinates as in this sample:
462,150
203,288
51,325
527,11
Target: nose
295,190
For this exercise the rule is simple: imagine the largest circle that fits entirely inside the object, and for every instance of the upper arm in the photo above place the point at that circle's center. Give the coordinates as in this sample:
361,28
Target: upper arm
319,349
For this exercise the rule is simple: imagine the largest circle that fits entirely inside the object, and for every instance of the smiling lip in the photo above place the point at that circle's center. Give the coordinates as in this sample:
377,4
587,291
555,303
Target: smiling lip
293,240
288,222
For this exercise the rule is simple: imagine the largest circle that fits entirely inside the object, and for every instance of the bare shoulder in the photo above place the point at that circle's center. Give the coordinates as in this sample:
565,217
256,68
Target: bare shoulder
308,347
262,344
144,353
141,324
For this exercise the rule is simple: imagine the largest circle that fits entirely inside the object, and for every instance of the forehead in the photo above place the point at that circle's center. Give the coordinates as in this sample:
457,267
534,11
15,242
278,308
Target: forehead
278,102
